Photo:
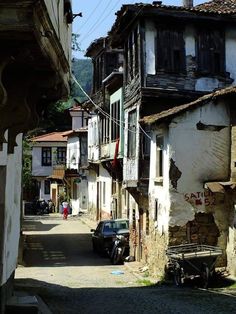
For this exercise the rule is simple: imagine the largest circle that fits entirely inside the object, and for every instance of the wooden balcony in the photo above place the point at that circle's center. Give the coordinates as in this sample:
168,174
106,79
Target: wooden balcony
34,61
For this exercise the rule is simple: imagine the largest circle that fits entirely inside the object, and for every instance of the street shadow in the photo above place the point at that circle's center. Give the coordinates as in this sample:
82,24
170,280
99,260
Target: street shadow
33,225
59,250
153,299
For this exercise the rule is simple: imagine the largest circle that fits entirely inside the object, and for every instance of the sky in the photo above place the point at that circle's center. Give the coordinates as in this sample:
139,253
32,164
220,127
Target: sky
98,17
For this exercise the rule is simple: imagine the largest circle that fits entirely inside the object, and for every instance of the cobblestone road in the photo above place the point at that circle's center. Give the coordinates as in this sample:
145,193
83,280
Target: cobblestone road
61,267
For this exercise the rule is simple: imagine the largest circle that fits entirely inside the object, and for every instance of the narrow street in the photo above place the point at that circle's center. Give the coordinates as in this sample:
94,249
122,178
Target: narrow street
62,269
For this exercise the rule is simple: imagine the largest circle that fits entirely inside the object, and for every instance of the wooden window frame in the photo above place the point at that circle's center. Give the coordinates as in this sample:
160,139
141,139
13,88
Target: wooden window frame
61,155
132,121
210,51
170,49
46,156
159,156
115,120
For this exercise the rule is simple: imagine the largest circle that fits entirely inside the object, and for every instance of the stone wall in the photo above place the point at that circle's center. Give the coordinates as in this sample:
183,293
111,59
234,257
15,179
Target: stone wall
155,245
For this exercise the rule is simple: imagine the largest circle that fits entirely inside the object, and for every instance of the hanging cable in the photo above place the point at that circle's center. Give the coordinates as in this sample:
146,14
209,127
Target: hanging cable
98,22
107,115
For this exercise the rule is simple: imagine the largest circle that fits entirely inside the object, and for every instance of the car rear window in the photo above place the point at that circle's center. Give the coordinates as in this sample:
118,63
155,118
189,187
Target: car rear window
115,225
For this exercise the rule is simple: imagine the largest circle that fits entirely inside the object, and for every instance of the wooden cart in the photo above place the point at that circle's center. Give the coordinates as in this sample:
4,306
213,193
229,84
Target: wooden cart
189,260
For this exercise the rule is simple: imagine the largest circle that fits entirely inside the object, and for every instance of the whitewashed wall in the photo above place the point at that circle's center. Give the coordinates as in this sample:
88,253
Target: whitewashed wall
159,189
11,233
130,167
199,155
104,177
73,152
93,139
92,192
37,168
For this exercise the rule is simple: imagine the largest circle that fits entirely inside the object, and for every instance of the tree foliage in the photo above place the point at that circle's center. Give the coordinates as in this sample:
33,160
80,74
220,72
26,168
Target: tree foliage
82,70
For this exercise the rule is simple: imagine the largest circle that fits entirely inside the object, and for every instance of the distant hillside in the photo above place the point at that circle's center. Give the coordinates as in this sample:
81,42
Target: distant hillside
82,69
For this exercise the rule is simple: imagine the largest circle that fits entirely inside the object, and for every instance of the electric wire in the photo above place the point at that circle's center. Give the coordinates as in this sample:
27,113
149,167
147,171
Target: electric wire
107,115
91,14
98,23
116,121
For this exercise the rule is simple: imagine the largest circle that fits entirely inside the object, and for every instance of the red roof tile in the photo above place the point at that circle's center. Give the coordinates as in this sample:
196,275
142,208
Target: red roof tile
218,6
51,137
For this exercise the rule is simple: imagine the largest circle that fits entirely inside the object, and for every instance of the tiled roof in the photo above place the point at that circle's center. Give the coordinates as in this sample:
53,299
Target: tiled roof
218,6
158,117
51,137
222,7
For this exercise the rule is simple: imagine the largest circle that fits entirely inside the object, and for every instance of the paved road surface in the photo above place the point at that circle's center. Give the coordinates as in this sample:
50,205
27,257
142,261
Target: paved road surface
70,278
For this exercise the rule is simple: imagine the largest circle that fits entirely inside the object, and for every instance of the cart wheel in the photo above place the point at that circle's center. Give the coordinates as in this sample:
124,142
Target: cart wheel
178,276
205,274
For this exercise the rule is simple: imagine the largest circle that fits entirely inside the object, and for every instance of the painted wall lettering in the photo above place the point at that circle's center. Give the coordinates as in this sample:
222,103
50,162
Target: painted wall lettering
200,198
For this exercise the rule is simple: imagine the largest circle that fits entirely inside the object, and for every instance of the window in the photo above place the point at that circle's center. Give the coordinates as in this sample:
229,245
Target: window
46,156
105,122
132,56
159,156
170,50
132,120
145,143
156,210
98,76
61,155
115,115
111,62
46,187
211,51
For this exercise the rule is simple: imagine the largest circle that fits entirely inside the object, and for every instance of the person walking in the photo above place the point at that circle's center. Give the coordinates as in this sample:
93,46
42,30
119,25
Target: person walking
65,207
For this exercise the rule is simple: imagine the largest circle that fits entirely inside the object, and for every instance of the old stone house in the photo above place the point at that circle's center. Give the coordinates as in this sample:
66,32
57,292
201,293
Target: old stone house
34,71
172,55
192,178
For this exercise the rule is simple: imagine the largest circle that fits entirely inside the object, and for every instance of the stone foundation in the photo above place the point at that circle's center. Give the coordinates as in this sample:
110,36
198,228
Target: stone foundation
156,245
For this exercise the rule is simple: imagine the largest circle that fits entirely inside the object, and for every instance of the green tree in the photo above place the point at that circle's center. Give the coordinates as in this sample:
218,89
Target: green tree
82,70
28,183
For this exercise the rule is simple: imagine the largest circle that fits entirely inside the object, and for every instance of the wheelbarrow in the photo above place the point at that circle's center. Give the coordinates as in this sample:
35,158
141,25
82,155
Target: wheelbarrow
193,260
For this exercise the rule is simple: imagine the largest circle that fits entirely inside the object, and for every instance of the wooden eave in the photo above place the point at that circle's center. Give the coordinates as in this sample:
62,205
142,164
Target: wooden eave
148,92
28,36
96,47
167,115
125,21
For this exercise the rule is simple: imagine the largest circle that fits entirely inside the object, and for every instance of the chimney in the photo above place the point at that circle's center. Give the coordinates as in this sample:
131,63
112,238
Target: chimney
188,3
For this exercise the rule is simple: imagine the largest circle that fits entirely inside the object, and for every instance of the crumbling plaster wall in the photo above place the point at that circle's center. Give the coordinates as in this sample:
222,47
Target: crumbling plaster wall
191,158
201,156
